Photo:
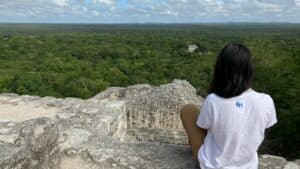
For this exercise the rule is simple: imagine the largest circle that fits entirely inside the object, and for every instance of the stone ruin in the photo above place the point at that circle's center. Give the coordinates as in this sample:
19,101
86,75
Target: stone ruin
137,127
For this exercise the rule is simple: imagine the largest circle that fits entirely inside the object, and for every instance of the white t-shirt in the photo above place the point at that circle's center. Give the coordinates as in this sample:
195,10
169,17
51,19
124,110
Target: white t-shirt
236,128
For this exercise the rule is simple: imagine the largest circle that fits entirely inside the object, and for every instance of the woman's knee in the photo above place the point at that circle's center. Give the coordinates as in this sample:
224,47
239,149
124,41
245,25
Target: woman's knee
188,108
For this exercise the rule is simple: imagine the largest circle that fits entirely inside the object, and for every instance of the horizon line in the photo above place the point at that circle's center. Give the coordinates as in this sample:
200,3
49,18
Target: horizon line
108,23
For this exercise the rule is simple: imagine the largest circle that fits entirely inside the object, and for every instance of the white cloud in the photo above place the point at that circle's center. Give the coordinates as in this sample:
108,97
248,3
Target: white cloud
106,2
154,10
85,9
96,13
61,2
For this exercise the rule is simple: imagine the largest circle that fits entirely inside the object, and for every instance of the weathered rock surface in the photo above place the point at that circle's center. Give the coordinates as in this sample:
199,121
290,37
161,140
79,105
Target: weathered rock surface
134,127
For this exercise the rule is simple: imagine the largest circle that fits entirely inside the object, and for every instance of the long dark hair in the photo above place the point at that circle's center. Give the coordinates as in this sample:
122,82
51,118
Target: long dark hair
233,71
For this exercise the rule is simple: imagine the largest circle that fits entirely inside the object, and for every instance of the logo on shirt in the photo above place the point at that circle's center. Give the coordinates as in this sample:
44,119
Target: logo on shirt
239,104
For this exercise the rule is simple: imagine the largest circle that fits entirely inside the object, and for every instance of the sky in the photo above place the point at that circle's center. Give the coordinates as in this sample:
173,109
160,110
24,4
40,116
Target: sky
145,11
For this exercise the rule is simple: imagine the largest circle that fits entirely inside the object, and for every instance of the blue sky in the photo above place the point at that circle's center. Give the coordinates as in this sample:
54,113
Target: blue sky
143,11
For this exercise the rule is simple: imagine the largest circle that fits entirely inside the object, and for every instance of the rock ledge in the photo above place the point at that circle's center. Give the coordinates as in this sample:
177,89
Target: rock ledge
134,127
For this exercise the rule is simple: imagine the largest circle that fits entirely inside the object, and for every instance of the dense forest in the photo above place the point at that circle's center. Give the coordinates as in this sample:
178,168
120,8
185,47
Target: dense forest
82,60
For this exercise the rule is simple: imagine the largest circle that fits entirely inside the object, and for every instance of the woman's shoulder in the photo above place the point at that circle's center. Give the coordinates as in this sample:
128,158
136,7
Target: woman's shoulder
260,98
211,97
250,93
262,95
